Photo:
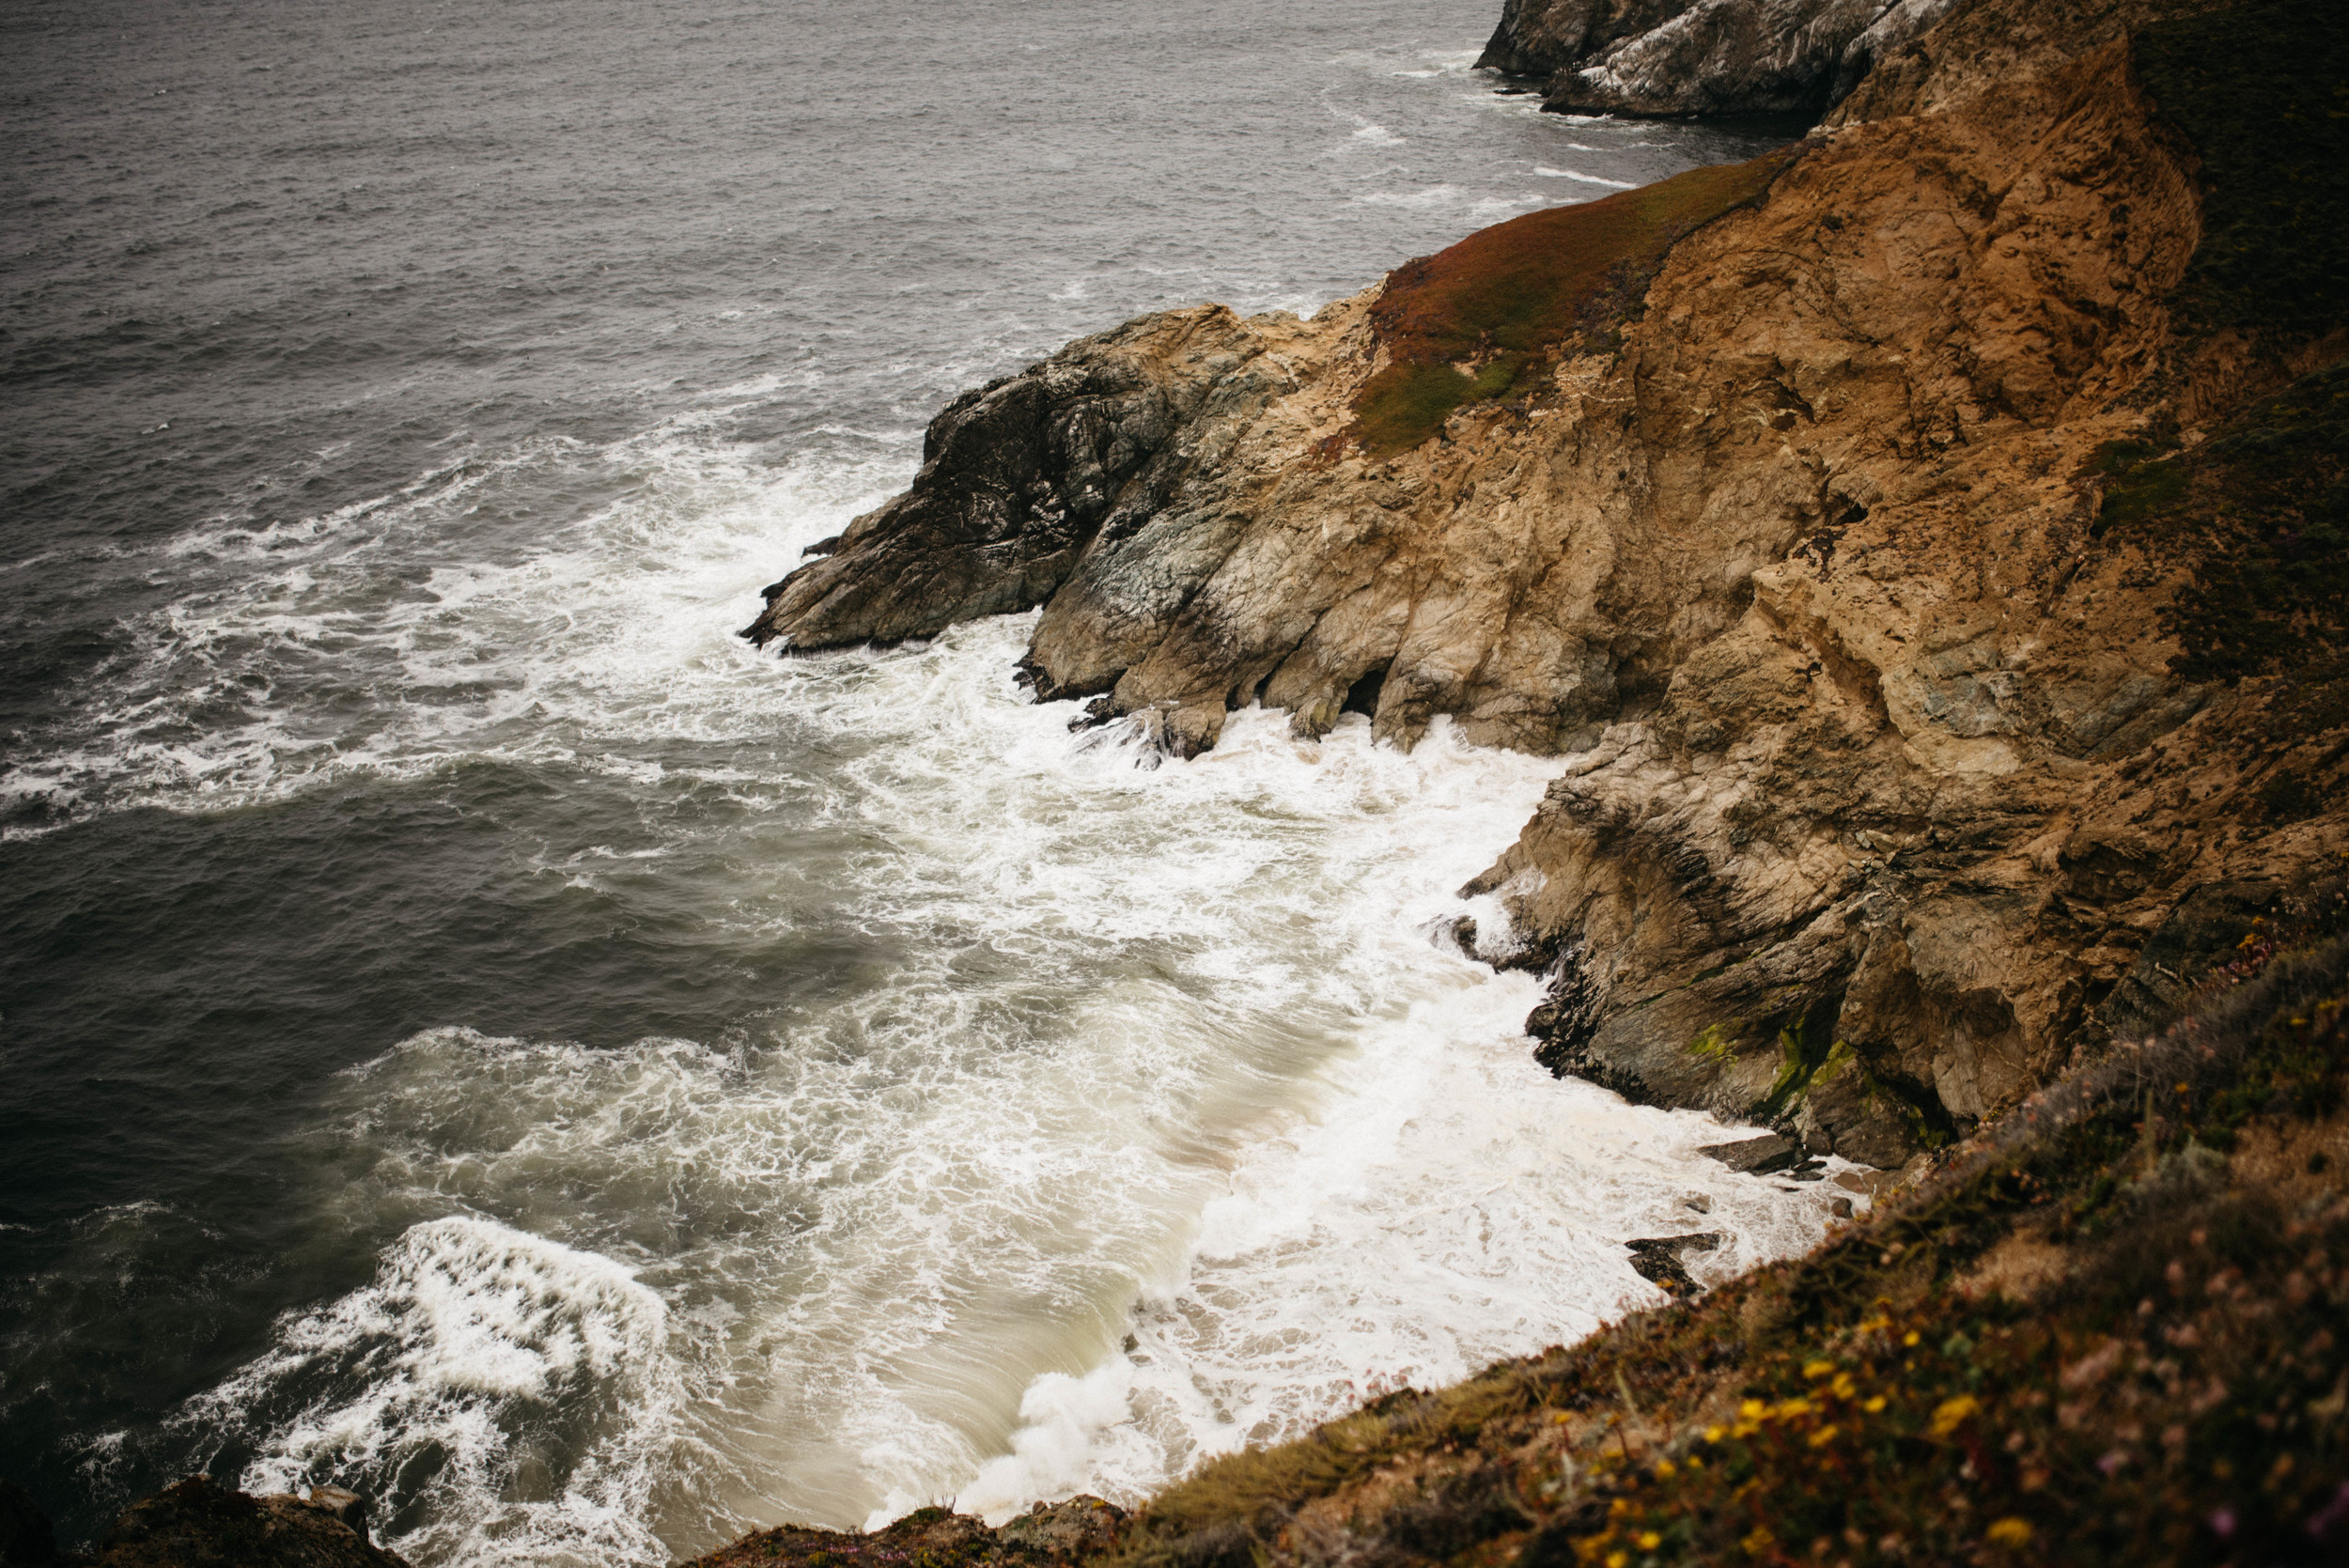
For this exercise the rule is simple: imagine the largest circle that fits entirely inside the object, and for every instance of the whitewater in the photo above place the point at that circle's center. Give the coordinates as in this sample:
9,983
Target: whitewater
482,1034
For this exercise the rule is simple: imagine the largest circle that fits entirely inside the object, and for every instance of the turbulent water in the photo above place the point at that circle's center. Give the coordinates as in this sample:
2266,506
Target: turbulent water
476,1031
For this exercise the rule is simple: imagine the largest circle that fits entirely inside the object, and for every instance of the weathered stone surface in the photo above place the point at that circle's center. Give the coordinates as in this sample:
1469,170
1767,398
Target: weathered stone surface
1018,476
1053,1535
1756,1155
1688,58
200,1523
1895,773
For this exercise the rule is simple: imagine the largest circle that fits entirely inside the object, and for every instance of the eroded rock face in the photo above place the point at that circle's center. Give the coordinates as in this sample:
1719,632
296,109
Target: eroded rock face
1840,556
1018,477
1691,57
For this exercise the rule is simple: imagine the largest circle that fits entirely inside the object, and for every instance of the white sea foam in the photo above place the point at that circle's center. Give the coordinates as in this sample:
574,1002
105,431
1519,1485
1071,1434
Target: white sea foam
1162,1126
474,1341
1586,178
1171,1129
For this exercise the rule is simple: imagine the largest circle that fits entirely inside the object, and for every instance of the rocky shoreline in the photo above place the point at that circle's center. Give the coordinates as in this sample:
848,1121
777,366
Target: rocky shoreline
1927,545
1793,503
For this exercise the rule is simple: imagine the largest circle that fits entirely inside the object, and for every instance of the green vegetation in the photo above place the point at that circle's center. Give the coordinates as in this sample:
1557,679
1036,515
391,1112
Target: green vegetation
1806,1046
2263,93
1711,1046
1507,298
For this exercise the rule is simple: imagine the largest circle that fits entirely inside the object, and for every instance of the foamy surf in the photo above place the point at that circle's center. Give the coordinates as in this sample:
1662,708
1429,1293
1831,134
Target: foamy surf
475,1344
783,1089
1167,1128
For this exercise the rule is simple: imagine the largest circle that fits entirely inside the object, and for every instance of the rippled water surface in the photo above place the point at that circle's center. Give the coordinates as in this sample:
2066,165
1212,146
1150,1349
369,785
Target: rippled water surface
476,1031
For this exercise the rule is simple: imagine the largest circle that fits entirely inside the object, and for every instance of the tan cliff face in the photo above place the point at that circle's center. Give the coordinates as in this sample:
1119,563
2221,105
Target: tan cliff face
1885,789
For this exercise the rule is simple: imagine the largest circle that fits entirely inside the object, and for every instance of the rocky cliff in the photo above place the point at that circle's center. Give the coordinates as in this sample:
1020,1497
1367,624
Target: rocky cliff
1677,57
1926,543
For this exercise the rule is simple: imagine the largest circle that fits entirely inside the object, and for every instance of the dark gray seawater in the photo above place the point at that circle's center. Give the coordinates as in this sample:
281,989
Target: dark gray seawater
471,1030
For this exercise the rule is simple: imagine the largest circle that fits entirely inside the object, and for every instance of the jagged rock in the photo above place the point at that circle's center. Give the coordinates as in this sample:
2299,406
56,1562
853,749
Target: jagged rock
1658,1259
1051,1535
1072,1528
1020,475
1684,58
200,1523
1865,525
1758,1156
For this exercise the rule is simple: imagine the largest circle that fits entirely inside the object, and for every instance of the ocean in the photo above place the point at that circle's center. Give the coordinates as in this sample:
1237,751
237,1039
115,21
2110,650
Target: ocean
476,1031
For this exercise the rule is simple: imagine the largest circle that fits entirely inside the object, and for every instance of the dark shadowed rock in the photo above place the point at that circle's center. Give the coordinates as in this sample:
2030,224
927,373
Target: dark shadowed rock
1658,1259
1017,478
1047,1536
200,1524
27,1539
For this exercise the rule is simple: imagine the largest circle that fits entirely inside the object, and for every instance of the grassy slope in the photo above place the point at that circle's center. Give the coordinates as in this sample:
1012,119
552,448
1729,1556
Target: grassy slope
1506,298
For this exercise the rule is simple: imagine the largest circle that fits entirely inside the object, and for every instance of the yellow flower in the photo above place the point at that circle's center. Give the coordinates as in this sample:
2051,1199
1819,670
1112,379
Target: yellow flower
1792,1407
1910,1338
1648,1540
1845,1388
1872,1405
1753,1410
2009,1531
1952,1414
1759,1542
1666,1470
1816,1370
1713,1433
1825,1435
1695,1462
1617,1560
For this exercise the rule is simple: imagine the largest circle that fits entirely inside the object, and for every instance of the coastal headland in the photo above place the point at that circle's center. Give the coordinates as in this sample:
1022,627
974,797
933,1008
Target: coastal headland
1925,544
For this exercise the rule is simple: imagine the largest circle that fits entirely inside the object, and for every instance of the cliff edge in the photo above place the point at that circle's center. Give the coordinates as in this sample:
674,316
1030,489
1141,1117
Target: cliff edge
1925,541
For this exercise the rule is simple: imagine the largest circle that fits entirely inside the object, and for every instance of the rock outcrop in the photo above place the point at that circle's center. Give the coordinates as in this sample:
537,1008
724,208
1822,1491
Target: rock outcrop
1926,543
1670,58
200,1523
1054,1535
